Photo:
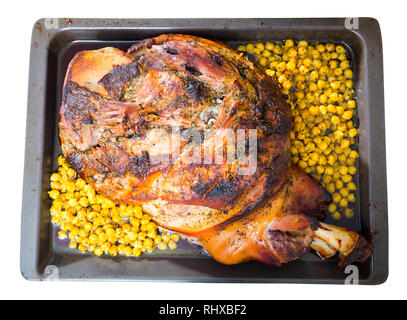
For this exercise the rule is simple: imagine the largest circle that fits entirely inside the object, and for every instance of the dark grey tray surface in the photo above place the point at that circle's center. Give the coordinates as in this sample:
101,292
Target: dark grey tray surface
53,44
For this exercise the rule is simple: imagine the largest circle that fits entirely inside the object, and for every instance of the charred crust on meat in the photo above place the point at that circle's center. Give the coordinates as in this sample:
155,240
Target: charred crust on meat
119,77
271,181
139,165
171,51
194,88
201,188
224,189
314,222
216,58
75,160
192,70
147,43
114,158
284,125
78,104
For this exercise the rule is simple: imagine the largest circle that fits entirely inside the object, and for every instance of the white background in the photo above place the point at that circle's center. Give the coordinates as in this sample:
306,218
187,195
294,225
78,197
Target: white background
16,21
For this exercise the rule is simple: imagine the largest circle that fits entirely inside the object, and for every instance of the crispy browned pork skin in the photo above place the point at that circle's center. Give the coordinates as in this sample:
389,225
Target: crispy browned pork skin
129,124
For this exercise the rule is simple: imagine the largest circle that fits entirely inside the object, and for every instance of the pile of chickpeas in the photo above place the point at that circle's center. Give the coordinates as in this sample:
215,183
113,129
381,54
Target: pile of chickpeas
318,82
96,224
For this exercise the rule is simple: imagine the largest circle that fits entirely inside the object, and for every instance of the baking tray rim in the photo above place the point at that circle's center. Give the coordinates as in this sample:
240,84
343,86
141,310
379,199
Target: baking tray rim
35,126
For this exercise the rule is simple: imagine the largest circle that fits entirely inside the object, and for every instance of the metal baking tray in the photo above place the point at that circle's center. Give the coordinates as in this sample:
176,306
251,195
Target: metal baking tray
55,41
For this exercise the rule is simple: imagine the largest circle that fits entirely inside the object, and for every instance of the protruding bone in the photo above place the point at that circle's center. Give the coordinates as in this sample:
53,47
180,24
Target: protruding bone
322,248
350,245
341,239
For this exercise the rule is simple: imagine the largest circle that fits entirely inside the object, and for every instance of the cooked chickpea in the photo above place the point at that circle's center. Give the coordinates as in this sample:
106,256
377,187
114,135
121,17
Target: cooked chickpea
172,245
336,197
54,194
62,234
348,73
136,252
353,132
82,248
127,250
332,207
351,197
347,178
347,115
343,203
348,213
263,61
98,251
289,43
